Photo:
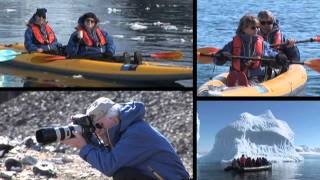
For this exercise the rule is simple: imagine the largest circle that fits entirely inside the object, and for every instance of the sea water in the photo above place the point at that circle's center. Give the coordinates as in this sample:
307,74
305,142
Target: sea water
309,169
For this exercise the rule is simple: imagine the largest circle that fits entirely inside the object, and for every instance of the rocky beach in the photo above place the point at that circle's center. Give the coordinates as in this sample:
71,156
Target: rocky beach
170,112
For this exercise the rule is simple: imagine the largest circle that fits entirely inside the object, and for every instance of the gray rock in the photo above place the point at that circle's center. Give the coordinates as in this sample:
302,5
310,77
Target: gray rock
44,168
12,164
7,174
29,160
4,149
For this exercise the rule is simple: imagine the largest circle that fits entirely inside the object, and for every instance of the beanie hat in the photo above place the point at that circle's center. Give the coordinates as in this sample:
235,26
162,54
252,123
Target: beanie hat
88,15
41,12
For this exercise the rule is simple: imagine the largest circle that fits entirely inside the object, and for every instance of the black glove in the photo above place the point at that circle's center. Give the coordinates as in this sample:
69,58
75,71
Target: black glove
221,57
281,59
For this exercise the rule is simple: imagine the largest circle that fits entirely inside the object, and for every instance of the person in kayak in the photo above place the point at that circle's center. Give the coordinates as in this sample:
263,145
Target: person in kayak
135,150
270,31
249,44
39,36
89,39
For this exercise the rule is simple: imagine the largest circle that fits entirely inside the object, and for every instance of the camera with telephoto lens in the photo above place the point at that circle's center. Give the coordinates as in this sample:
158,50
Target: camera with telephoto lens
81,123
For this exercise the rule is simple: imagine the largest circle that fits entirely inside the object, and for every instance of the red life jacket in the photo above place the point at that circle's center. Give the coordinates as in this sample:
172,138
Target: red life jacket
39,36
89,41
277,39
237,48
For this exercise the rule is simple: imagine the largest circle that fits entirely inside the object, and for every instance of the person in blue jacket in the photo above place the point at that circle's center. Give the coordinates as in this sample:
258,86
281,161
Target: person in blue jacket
135,150
247,43
89,40
39,36
270,31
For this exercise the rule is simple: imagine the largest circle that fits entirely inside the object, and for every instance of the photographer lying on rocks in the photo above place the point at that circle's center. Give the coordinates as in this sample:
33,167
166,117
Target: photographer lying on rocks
135,150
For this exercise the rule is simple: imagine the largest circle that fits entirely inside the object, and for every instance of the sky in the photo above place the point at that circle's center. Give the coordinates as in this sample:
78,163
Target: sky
303,117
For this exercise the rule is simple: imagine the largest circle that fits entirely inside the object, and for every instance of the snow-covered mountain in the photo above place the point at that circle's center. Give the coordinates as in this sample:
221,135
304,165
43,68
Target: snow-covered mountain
255,136
303,149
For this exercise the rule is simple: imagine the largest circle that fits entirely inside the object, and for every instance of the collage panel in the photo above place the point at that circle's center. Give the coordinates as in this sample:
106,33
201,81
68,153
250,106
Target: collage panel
257,48
97,43
95,134
258,140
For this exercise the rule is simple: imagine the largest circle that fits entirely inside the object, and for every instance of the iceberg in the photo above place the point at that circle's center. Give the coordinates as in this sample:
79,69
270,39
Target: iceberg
254,136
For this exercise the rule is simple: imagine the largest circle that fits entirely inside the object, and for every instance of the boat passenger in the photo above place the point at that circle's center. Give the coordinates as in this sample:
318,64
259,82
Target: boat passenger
89,39
270,31
39,36
253,162
246,43
242,161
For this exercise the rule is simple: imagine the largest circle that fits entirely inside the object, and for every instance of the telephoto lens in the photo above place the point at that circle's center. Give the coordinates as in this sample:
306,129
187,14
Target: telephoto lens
56,134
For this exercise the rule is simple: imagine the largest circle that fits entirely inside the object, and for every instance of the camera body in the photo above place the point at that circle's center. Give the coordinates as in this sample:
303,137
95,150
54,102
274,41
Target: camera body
80,122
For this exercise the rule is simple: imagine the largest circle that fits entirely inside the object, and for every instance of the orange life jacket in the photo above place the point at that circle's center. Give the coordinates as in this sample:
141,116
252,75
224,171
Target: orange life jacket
89,41
51,37
237,64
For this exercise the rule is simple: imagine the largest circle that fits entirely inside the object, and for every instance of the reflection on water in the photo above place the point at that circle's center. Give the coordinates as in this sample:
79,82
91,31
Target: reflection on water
144,25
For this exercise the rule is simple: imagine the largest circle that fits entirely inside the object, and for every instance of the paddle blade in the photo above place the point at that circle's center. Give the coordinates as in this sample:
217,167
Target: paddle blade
6,58
206,51
8,52
53,58
168,55
313,64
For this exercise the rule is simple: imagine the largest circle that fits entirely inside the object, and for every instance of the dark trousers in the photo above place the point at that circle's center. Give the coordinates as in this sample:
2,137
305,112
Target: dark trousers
130,174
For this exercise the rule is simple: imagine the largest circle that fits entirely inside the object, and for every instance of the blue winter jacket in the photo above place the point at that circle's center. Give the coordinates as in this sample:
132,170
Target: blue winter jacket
269,52
77,47
32,44
138,145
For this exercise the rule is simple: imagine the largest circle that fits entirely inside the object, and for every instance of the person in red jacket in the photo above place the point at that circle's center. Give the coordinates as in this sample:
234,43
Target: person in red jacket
242,161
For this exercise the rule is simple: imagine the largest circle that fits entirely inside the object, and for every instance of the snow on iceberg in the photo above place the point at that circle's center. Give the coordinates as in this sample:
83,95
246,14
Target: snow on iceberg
255,136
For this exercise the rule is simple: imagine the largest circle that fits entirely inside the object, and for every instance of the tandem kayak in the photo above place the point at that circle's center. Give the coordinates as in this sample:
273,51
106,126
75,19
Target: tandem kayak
249,169
103,70
289,83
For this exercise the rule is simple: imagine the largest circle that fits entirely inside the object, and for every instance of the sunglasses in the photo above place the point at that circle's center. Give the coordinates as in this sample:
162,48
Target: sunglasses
266,22
254,27
90,20
98,126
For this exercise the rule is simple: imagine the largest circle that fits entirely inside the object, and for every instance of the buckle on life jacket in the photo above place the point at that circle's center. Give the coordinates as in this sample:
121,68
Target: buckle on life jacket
237,78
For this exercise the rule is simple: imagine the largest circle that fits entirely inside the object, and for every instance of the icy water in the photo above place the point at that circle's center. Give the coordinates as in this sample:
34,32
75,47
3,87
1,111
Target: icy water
136,25
218,20
308,169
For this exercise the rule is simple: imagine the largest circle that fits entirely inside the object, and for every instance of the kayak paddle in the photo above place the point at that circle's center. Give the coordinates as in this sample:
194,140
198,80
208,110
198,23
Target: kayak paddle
7,54
165,55
203,52
314,64
314,39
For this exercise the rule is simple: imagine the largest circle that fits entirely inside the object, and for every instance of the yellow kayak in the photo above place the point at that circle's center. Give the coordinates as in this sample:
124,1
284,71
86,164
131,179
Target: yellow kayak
146,72
286,84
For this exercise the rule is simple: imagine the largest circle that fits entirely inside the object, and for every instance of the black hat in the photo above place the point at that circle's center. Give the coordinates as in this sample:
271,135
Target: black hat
41,12
88,15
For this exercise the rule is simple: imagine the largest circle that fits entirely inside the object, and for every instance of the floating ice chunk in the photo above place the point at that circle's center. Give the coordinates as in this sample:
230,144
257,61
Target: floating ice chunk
147,8
157,5
169,27
10,10
118,36
113,10
137,26
138,38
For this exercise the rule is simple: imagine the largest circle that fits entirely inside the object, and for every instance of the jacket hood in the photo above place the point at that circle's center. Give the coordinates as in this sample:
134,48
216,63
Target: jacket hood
130,113
85,16
246,38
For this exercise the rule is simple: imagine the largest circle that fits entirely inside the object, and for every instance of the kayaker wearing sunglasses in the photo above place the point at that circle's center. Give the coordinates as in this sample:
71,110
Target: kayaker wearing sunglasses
270,31
89,40
135,150
246,43
39,36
